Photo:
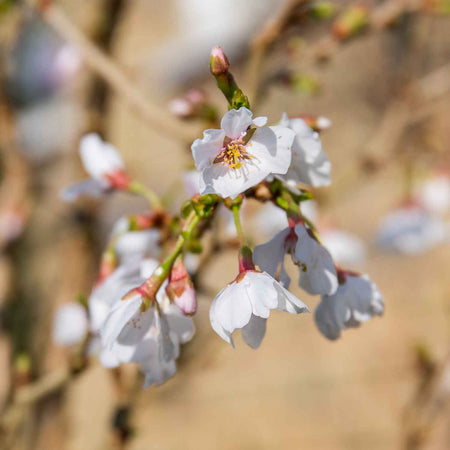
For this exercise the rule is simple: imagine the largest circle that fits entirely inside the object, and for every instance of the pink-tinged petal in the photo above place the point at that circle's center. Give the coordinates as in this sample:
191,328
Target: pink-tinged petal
236,121
253,333
205,150
259,121
99,158
118,318
226,182
269,256
271,148
191,182
261,292
87,188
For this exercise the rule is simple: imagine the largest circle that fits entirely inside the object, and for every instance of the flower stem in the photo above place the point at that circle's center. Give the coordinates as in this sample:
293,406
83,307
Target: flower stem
237,221
162,271
138,188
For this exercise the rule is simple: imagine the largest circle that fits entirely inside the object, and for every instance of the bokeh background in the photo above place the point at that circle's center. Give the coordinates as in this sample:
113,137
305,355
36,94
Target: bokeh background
386,91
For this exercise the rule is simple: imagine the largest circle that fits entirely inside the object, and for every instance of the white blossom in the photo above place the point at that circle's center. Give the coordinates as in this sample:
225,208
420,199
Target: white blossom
316,266
411,230
356,301
70,324
103,163
149,336
310,165
246,303
233,159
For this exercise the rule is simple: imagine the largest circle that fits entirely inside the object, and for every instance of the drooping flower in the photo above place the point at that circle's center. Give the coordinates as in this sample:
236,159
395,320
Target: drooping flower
317,270
105,166
239,156
356,301
70,324
150,335
310,165
246,303
411,230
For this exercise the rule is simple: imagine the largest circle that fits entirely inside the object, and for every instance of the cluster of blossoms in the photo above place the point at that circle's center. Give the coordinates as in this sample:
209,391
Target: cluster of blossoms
139,310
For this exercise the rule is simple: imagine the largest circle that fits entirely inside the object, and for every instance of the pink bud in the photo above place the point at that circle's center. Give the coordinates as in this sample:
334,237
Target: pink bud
180,289
181,108
218,62
187,301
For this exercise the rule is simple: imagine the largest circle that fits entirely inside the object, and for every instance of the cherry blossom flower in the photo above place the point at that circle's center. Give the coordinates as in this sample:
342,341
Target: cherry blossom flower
105,166
149,336
310,164
356,301
246,303
316,266
70,324
237,157
411,230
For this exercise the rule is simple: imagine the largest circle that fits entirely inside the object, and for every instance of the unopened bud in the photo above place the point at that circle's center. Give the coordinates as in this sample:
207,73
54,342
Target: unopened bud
218,63
180,288
181,108
246,259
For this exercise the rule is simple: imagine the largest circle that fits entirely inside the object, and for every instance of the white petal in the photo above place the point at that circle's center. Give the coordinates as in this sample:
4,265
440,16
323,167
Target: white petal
271,148
236,121
344,247
261,292
70,324
320,277
325,319
270,255
167,348
253,333
118,318
259,121
87,188
108,359
99,158
226,182
191,182
180,324
230,310
205,150
137,244
289,302
157,372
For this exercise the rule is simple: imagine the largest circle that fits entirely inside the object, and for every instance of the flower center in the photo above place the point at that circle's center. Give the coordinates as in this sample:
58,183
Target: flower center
233,154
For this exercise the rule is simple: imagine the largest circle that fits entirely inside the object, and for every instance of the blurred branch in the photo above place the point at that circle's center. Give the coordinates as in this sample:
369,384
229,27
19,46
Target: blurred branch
431,398
155,117
264,39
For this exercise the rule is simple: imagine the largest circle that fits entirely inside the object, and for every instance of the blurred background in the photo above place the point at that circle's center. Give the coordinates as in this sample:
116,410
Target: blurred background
378,70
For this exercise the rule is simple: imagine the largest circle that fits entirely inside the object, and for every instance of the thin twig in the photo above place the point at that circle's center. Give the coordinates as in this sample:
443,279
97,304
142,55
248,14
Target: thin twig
155,117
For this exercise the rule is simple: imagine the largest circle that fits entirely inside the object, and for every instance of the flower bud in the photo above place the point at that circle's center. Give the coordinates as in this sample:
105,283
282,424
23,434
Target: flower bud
180,288
218,63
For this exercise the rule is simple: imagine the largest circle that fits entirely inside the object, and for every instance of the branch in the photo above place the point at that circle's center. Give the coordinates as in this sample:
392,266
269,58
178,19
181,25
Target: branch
156,117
